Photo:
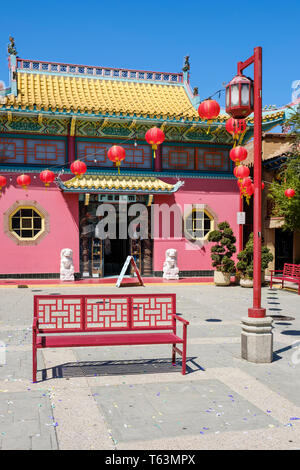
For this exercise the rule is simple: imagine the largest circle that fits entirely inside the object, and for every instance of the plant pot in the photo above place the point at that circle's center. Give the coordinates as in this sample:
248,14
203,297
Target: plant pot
221,279
249,282
246,282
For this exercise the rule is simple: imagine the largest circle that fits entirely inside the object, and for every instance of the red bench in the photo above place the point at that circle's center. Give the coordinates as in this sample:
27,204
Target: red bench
290,272
69,321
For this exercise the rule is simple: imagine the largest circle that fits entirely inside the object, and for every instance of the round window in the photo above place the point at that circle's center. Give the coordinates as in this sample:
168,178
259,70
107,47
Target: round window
26,223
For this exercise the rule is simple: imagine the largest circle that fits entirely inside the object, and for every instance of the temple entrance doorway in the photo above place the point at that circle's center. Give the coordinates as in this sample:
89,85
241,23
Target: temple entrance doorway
105,257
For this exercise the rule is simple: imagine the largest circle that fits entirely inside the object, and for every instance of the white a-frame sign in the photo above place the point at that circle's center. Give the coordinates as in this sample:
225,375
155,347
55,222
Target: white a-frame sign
129,259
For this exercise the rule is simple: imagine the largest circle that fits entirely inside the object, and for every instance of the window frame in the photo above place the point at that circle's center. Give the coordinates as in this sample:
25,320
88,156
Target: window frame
209,215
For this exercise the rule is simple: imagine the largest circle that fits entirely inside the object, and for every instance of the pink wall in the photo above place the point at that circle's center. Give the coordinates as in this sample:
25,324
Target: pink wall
45,256
222,197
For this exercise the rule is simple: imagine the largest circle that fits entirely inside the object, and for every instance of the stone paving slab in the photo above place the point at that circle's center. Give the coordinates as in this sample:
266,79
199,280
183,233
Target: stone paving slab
171,409
26,421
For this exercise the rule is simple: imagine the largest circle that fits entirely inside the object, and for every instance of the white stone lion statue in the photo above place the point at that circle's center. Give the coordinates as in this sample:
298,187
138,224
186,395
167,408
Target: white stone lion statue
66,265
170,269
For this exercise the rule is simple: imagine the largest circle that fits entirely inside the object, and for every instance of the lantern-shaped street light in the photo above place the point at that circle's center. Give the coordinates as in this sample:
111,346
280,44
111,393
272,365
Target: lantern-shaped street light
239,97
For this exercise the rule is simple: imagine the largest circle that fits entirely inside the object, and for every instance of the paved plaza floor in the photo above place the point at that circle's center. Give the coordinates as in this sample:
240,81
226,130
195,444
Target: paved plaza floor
131,397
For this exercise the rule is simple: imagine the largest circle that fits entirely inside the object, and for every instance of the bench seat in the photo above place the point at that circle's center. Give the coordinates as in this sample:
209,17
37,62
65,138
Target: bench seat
70,321
68,341
289,273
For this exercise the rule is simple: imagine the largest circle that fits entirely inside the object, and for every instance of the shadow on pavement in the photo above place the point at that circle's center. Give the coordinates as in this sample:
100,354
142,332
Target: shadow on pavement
108,368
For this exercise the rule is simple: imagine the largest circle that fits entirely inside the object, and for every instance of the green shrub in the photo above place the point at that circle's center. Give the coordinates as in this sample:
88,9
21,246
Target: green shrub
245,257
222,251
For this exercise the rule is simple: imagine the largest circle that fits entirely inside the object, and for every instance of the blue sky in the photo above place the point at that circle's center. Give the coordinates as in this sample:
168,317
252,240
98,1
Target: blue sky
156,35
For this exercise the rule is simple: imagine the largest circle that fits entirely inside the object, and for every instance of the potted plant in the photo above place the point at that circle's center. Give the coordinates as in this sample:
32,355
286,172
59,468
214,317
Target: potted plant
245,263
222,252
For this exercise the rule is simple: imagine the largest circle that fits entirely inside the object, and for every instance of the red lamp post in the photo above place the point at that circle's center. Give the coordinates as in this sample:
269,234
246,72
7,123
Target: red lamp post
242,97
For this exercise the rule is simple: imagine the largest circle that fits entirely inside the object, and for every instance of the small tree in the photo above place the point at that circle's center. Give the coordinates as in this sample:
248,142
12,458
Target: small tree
289,177
222,251
245,257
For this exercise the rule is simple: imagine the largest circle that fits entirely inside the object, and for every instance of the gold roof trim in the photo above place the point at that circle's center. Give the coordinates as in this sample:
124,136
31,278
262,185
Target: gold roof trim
108,183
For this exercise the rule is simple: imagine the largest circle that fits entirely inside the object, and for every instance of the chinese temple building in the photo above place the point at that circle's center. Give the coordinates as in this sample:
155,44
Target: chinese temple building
52,114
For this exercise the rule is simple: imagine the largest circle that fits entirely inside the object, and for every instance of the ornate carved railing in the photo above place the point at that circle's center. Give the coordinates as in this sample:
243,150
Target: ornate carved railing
106,72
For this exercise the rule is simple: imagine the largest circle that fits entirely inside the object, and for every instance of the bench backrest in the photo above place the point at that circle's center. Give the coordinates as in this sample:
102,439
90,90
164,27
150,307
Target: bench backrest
78,313
292,270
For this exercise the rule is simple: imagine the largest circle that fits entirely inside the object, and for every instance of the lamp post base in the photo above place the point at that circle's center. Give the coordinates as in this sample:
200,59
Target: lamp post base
256,312
257,339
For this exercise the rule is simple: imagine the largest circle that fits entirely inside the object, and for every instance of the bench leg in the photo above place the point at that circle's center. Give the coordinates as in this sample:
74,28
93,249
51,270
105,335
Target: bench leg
34,364
183,359
184,350
173,355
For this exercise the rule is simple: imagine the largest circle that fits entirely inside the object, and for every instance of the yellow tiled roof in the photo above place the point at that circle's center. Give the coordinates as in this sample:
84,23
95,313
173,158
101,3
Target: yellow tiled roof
100,96
120,183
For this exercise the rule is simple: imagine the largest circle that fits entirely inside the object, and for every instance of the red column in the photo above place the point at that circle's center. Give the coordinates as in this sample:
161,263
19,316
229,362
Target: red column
257,311
71,148
241,227
157,159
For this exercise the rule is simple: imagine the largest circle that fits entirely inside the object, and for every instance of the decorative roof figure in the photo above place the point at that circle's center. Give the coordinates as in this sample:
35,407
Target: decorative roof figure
195,91
11,49
186,65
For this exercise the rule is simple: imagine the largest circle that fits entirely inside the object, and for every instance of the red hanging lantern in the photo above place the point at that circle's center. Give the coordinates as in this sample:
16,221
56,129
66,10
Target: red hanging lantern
155,137
246,181
208,111
250,189
239,97
116,154
237,128
289,193
2,182
78,168
242,172
24,181
262,185
47,177
238,154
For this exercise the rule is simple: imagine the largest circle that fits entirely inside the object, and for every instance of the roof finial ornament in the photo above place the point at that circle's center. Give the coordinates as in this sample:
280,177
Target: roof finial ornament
186,65
195,91
11,49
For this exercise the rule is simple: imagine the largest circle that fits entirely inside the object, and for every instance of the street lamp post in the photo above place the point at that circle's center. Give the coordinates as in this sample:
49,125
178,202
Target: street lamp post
257,337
